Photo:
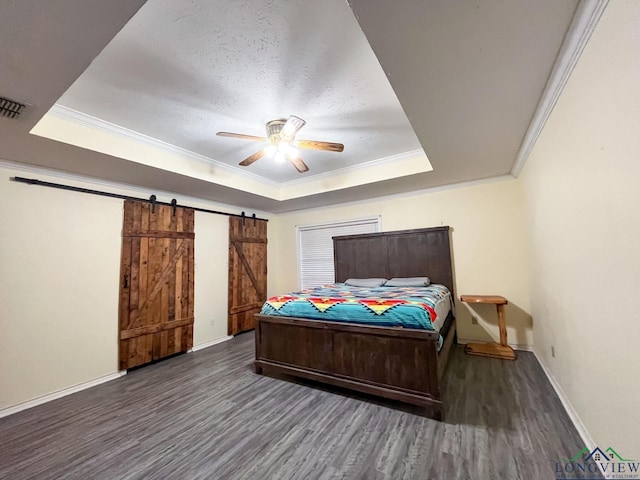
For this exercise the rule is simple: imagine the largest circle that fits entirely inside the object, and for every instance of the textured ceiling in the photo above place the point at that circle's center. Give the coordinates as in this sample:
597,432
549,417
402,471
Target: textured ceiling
469,74
181,70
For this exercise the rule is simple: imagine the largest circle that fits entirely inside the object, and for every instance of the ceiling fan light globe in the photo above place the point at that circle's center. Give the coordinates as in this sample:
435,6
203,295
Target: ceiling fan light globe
293,152
270,150
283,147
279,157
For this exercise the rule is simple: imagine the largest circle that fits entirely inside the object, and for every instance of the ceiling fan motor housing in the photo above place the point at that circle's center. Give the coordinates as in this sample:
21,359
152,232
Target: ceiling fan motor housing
274,127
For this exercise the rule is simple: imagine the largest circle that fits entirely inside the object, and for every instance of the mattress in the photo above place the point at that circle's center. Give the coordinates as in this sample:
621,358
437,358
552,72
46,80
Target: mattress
424,308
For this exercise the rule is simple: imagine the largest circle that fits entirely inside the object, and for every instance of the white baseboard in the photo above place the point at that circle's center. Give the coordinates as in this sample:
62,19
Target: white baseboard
573,415
515,346
83,386
59,394
211,343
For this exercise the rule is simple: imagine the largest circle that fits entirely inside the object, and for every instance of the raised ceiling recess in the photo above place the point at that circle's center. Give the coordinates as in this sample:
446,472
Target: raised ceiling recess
149,96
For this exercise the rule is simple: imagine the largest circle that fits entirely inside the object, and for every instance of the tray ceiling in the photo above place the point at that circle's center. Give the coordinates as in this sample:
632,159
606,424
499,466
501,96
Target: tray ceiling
145,102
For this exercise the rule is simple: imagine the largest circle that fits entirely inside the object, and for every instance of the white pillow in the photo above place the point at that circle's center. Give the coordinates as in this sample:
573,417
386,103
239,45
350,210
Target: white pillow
366,282
408,282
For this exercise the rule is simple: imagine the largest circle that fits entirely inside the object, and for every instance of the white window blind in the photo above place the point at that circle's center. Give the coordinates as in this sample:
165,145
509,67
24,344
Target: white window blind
315,248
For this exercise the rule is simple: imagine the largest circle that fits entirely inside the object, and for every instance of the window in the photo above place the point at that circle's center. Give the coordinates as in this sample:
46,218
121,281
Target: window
315,248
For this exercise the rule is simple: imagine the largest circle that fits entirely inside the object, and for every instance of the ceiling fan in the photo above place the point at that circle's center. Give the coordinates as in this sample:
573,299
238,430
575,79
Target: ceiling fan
282,144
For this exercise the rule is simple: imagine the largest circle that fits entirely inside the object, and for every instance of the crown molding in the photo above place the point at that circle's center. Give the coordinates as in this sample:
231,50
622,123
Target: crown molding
167,196
162,195
354,168
68,114
412,193
71,115
583,24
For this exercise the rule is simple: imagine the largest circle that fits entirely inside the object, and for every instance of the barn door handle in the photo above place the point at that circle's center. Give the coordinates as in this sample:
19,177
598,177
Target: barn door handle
126,281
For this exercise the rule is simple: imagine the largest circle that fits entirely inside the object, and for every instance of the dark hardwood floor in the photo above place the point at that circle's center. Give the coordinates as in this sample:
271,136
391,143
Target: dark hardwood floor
206,415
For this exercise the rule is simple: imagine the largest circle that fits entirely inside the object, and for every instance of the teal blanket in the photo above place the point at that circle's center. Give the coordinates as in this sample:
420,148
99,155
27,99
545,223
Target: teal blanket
408,307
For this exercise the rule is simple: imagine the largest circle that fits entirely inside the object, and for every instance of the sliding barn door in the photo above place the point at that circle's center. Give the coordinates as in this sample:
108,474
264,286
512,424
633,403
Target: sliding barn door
247,272
156,289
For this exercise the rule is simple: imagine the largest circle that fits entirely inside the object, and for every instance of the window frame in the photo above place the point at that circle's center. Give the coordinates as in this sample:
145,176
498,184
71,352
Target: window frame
373,219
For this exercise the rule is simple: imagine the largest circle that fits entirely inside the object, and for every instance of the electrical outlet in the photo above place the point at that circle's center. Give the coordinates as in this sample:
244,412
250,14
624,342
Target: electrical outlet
553,351
212,322
474,320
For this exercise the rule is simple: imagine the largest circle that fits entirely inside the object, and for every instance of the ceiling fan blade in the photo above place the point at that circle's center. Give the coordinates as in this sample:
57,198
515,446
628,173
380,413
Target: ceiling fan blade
299,164
252,158
291,127
242,136
316,145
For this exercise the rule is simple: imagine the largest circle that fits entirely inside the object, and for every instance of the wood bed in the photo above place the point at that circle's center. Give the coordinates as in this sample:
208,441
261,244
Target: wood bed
390,362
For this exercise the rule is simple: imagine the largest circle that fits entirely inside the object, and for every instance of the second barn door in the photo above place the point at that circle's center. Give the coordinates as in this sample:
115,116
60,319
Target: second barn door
157,280
247,272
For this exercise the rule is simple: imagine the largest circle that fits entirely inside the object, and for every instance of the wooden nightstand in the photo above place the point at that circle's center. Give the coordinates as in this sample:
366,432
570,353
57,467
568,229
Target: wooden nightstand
494,350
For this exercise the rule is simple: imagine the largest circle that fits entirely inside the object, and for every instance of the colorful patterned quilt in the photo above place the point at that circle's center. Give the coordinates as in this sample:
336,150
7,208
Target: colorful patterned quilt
408,307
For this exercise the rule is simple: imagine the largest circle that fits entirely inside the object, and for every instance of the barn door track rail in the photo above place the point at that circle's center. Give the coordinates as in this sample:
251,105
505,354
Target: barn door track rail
152,199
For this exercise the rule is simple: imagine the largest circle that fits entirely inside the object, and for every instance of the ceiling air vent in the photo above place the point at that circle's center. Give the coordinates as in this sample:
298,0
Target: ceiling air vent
10,108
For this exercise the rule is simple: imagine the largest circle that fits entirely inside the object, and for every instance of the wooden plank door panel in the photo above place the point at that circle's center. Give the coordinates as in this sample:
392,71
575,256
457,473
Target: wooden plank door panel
247,272
156,290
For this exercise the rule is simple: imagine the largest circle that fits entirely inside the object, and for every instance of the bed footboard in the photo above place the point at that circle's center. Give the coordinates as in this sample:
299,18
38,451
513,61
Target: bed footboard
394,363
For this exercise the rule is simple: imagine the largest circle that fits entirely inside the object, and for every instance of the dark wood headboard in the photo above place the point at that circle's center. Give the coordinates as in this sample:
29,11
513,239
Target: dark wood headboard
403,253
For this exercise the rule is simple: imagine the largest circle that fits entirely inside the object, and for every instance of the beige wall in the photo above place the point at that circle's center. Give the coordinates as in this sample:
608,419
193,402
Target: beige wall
59,280
582,196
59,258
488,240
212,273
